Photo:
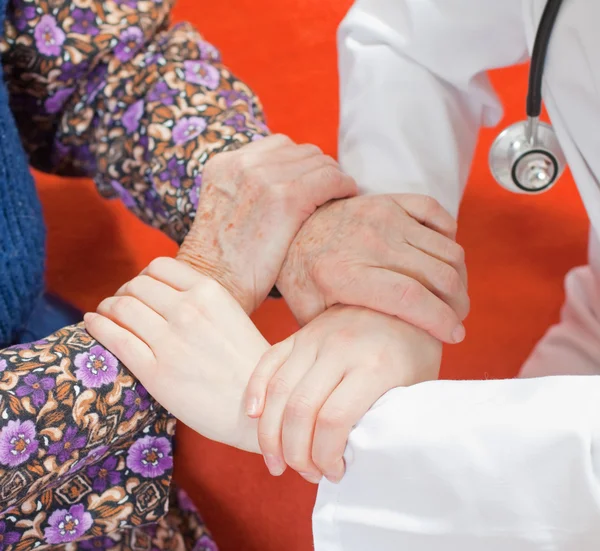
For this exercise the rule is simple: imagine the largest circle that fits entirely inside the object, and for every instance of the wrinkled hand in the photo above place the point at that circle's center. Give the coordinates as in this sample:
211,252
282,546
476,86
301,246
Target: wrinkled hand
252,203
311,389
189,343
395,254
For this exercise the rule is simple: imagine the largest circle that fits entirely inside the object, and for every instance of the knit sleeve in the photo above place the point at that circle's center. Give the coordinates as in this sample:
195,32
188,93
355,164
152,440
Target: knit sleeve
105,89
84,450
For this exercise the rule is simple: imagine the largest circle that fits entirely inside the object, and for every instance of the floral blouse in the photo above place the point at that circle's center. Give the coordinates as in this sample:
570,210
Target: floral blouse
105,89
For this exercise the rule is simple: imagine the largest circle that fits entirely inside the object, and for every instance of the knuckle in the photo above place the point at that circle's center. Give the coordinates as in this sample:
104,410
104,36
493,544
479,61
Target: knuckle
122,307
278,386
448,280
332,418
455,253
159,265
311,149
410,293
300,407
185,315
298,461
268,440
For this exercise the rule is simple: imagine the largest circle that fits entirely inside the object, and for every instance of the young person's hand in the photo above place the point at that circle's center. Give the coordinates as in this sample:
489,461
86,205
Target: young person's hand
310,390
189,343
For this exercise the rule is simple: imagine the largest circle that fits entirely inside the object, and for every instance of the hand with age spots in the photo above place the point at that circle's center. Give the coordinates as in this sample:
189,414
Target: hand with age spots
252,204
395,254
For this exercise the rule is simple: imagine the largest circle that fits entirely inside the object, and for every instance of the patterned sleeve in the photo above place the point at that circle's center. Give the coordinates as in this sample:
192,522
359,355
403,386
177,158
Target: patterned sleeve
84,450
104,89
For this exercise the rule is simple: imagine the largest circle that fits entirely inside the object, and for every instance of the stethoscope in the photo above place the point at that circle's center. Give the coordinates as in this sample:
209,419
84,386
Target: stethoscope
526,157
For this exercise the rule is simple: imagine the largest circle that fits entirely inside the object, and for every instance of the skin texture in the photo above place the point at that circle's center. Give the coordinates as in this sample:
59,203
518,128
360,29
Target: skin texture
395,254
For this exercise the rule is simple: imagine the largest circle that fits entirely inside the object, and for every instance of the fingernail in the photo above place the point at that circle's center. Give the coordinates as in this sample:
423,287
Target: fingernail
310,477
458,335
252,408
275,465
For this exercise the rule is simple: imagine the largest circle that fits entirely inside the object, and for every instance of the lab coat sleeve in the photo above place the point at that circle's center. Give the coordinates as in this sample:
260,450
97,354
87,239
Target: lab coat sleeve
414,90
471,466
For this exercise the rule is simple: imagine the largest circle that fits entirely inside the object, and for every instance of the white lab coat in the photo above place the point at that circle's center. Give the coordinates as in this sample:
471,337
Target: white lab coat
472,466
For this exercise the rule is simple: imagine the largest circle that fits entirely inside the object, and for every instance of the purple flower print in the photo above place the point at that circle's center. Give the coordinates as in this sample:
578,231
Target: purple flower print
3,365
48,37
133,114
7,538
184,501
130,41
150,456
70,442
95,82
96,368
238,121
17,443
129,3
205,543
208,51
66,526
84,22
71,71
194,194
124,195
162,93
202,73
231,96
187,129
22,13
100,543
56,102
36,387
173,173
136,400
105,475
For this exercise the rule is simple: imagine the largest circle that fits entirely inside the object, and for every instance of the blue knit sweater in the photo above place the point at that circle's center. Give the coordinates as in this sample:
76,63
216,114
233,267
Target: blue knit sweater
22,232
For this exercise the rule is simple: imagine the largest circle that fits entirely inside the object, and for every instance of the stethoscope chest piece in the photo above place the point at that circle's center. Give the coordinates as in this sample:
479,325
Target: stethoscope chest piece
527,158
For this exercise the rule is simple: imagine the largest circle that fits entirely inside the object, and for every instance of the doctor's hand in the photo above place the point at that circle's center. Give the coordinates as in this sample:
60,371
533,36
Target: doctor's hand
253,202
395,254
189,343
311,389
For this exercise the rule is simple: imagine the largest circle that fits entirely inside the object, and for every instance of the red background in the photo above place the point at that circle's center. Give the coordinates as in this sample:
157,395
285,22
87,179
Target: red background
518,249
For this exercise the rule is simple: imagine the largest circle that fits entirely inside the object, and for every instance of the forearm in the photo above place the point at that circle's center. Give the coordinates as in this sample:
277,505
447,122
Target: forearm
492,464
137,107
76,432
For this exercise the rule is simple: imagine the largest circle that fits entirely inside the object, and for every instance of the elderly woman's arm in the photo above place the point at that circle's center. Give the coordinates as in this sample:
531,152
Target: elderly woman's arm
107,90
84,450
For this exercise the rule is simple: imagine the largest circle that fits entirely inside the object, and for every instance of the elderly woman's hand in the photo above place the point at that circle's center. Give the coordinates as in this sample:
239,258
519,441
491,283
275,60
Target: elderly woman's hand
189,343
252,204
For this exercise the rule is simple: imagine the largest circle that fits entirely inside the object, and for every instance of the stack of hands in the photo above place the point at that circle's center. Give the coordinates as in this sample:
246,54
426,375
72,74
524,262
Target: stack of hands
377,284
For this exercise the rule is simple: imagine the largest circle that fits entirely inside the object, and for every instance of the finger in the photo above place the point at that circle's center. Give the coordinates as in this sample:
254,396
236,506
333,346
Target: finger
295,169
439,246
442,279
270,143
135,316
297,153
344,408
128,348
428,212
301,412
404,297
279,390
271,361
325,184
151,292
173,272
